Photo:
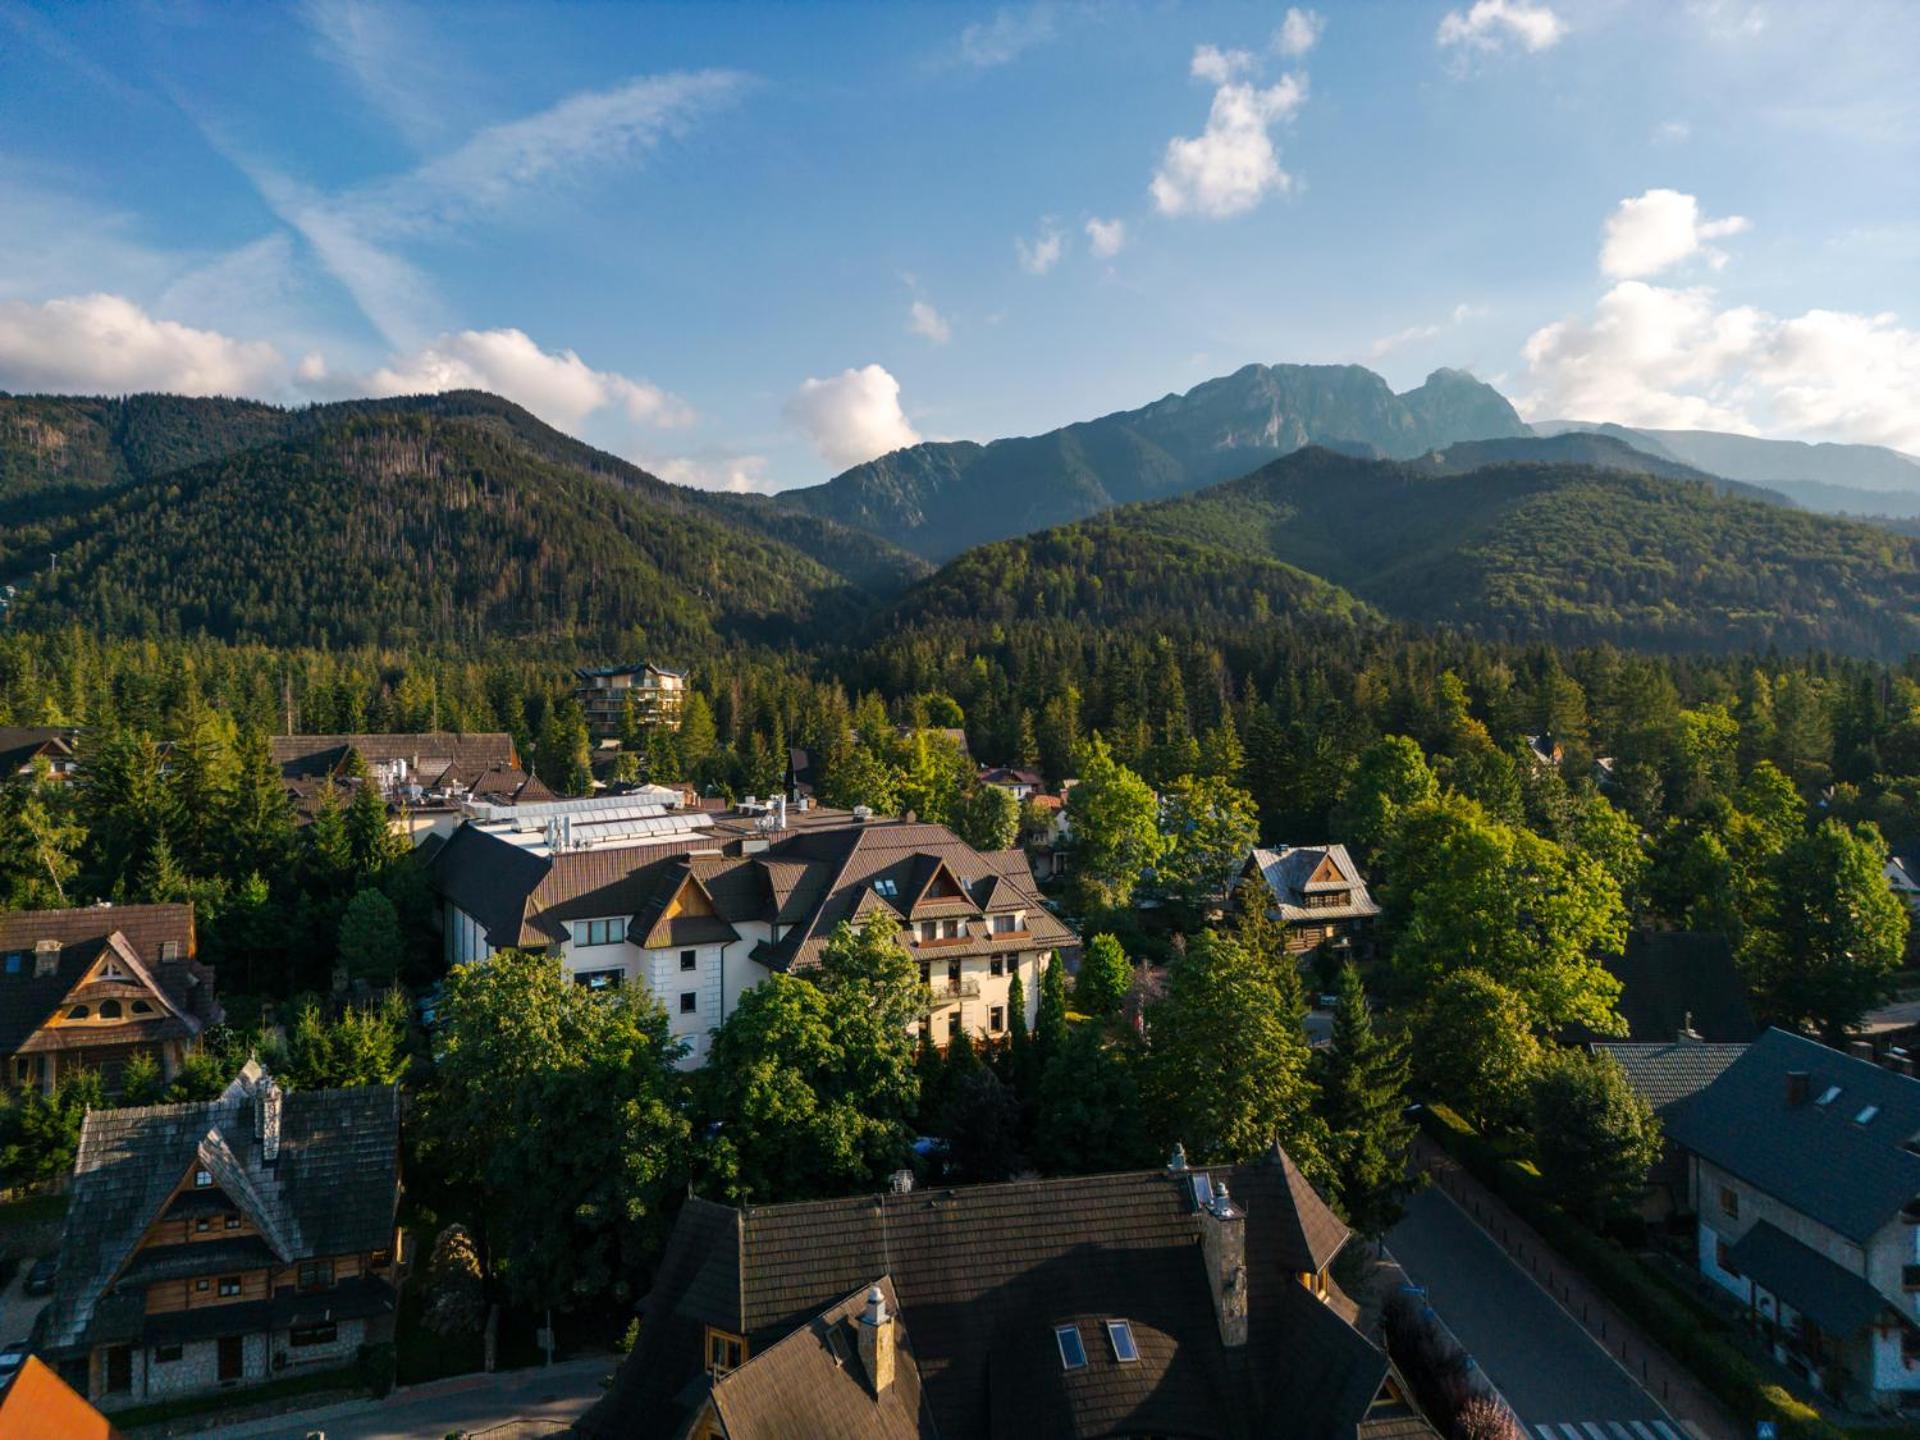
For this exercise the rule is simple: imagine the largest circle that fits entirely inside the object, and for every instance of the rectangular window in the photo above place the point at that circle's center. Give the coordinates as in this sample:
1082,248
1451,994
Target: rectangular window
15,959
949,929
926,972
1730,1202
724,1351
229,1285
233,1222
689,1002
601,932
171,950
166,1354
689,960
1120,1336
1004,924
997,965
598,979
202,1225
929,930
380,1261
200,1285
997,1019
953,974
1723,1258
314,1274
953,1025
1073,1351
202,1179
313,1335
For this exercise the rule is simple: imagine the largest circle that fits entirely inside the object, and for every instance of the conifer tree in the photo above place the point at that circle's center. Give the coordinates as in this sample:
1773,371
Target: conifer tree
1363,1096
1050,1023
1104,979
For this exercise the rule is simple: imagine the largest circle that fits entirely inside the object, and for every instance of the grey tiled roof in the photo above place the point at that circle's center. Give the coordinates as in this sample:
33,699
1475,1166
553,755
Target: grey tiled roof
1818,1159
1672,979
1836,1299
1288,872
333,1190
1664,1075
984,1273
802,1388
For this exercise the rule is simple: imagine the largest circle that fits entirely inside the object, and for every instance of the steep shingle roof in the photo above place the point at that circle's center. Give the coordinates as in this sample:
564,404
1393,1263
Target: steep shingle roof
1289,873
333,1189
984,1273
1664,1075
145,933
1818,1158
811,1383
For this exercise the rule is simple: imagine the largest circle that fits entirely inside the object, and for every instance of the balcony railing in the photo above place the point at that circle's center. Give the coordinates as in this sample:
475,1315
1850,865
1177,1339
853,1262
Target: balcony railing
943,991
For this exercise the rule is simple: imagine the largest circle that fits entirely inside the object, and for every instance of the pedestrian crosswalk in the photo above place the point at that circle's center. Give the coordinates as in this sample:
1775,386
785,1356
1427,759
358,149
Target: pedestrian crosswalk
1607,1430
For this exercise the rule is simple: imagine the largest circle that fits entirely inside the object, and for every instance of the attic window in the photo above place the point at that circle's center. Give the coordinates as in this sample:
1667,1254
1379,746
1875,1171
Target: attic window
1828,1095
78,1012
1120,1336
141,1007
1866,1115
1073,1353
886,889
202,1179
109,1009
171,949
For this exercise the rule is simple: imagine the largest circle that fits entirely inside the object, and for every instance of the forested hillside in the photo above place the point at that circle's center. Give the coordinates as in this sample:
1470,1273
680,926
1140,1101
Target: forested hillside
410,527
938,498
1569,554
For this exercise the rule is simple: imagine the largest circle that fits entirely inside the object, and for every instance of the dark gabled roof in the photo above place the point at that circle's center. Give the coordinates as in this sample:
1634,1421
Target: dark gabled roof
333,1190
27,999
811,1383
1307,1235
460,757
1664,1075
1675,979
1837,1300
1816,1159
984,1273
1289,870
19,744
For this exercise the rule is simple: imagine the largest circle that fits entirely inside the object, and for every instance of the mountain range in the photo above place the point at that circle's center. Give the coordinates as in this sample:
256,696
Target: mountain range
940,497
1304,492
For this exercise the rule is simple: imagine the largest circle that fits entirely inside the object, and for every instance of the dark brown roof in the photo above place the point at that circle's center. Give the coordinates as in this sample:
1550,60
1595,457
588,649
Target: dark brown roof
466,755
19,744
333,1189
985,1273
28,999
811,1383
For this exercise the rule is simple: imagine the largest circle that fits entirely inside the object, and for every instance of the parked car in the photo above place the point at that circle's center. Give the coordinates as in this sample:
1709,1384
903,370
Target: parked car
11,1359
40,1279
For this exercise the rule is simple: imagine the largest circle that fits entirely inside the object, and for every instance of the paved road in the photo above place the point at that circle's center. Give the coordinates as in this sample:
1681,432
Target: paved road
1561,1383
18,1310
431,1412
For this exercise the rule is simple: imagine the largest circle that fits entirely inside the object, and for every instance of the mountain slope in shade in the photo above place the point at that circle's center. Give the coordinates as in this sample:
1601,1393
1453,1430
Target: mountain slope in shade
1530,551
1768,462
453,519
941,497
1575,447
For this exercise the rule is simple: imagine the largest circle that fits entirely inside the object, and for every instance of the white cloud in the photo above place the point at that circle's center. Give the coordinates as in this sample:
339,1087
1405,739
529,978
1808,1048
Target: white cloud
1003,39
385,55
1106,238
1414,334
106,344
1232,165
852,416
1299,32
1672,358
1672,132
1217,66
711,470
1490,24
1041,254
923,319
558,386
1657,230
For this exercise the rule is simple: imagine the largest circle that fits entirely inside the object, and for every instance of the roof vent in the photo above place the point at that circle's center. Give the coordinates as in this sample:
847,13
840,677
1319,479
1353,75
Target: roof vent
863,812
901,1182
46,957
1178,1161
1799,1083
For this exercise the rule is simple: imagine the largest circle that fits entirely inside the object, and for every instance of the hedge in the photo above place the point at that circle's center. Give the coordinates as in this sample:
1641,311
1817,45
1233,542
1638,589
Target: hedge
1680,1325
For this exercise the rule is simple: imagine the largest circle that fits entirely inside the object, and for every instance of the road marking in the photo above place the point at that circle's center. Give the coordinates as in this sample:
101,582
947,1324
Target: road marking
1594,1432
1641,1430
1620,1432
1546,1432
1663,1430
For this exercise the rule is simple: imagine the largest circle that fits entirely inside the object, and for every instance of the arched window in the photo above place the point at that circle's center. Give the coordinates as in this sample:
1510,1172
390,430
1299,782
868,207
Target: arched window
78,1012
141,1007
109,1009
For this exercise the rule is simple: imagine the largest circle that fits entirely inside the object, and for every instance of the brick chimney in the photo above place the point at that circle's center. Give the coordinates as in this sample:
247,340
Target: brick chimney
875,1327
1223,1241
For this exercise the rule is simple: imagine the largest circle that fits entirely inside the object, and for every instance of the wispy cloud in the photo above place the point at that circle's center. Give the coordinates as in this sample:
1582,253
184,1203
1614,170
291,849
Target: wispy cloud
402,71
1415,334
924,320
1007,36
1040,254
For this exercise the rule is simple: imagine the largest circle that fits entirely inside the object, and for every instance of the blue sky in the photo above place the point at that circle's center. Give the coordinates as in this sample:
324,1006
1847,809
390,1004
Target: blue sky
747,245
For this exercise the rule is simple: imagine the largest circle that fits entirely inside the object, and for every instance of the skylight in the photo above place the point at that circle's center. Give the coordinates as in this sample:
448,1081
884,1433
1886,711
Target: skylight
1866,1115
1828,1095
1120,1333
886,889
1073,1354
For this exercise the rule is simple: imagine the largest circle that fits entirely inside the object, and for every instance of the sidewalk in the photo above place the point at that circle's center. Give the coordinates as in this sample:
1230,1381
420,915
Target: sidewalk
1674,1387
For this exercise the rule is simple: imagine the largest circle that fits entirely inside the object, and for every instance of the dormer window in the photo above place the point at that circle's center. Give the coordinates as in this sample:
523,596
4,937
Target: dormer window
1005,924
1073,1351
1120,1336
109,1009
171,950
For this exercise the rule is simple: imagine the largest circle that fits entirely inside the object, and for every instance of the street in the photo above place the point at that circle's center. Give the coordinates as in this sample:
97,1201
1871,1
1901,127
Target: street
431,1412
1556,1377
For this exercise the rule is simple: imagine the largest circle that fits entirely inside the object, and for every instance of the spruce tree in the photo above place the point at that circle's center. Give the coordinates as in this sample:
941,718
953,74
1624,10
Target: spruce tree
1050,1023
1364,1098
